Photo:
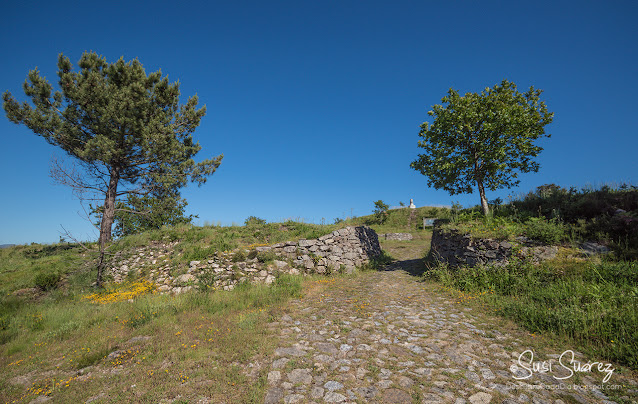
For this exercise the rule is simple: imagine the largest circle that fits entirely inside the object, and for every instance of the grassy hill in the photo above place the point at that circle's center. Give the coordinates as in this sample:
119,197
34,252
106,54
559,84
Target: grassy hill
61,339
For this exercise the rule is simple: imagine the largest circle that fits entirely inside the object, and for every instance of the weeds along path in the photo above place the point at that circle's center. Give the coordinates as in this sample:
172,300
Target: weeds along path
386,337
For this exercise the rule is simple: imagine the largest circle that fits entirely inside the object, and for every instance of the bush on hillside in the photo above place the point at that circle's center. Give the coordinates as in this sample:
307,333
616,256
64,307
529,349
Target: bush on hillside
254,221
608,215
266,256
546,231
46,280
239,256
570,205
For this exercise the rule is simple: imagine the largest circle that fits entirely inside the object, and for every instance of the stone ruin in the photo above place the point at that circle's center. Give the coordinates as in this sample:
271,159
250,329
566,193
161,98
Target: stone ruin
455,249
342,250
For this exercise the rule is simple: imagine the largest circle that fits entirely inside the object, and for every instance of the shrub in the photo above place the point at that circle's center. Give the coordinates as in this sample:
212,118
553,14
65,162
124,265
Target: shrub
206,279
266,256
254,221
315,258
198,253
140,314
549,232
434,212
46,280
239,256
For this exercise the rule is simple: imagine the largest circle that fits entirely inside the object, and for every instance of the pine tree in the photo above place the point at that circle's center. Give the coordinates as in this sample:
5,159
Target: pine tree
126,130
140,213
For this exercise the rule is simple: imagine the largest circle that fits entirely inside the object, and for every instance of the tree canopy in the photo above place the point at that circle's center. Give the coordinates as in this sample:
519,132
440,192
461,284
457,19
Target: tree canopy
139,213
482,140
125,129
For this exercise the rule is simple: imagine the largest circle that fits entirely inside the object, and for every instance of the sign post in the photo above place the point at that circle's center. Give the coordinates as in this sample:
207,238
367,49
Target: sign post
428,222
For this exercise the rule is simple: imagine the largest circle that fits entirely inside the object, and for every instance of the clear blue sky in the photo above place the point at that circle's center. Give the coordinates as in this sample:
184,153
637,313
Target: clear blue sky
316,105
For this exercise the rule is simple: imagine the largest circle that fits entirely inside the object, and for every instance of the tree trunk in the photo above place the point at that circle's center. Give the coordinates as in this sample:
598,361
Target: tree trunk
108,216
486,208
479,182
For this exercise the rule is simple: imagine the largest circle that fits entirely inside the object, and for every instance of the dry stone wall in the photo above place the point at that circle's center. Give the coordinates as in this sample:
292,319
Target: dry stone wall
396,236
455,249
342,250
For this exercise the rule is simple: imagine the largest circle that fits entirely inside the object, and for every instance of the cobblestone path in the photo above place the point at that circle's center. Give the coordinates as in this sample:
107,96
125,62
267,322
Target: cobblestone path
385,337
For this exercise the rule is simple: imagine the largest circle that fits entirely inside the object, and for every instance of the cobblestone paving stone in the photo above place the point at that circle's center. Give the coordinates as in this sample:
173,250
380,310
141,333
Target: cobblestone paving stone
384,337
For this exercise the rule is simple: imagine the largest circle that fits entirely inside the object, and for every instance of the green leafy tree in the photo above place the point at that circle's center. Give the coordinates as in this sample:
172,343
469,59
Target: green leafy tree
381,211
482,140
125,129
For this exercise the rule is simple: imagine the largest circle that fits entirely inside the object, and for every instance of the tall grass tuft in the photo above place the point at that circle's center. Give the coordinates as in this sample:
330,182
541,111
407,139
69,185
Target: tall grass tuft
594,304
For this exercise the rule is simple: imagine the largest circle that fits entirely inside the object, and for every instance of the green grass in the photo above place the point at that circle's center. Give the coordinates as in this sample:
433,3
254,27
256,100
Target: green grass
594,305
507,228
25,266
478,226
196,243
189,338
64,265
